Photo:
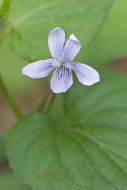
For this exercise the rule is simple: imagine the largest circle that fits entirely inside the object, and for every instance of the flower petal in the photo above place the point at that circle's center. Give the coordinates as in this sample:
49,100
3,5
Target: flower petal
61,80
56,41
38,69
71,48
86,74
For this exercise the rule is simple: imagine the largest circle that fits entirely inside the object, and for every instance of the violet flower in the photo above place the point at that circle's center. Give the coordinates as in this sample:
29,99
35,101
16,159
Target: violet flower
63,55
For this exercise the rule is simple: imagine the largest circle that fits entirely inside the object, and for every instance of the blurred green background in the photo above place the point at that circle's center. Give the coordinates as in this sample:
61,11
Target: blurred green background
108,50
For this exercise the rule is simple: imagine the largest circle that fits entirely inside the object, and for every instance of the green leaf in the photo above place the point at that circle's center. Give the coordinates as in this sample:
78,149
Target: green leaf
81,145
9,182
111,43
2,149
10,69
30,23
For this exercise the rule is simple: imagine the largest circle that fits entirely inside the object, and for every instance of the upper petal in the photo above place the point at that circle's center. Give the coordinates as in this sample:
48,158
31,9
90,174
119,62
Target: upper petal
71,48
56,41
38,69
86,74
61,80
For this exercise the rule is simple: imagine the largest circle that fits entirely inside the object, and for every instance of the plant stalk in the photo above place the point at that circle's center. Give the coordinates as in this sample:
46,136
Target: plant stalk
11,101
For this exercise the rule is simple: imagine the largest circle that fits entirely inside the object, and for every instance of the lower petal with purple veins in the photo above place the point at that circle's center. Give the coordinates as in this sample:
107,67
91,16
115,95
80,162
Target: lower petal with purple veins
61,80
38,69
86,74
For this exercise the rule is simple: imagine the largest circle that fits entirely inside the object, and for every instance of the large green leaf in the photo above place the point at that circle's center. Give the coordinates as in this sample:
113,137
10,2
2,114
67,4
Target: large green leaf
30,22
81,145
111,43
2,149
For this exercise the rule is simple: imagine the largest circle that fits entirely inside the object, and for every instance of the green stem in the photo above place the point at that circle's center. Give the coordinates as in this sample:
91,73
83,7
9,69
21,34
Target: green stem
51,103
10,99
42,105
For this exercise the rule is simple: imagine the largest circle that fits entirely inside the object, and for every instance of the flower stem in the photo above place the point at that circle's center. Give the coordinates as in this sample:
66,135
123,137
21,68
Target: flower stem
47,103
43,104
51,103
12,103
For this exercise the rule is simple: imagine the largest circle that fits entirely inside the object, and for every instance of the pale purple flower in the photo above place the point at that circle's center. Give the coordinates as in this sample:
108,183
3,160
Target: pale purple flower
63,55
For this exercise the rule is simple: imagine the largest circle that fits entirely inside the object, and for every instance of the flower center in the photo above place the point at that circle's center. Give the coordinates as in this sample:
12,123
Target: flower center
60,63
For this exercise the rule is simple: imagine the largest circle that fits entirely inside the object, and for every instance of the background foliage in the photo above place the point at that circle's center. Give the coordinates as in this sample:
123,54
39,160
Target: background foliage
9,181
111,41
2,149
